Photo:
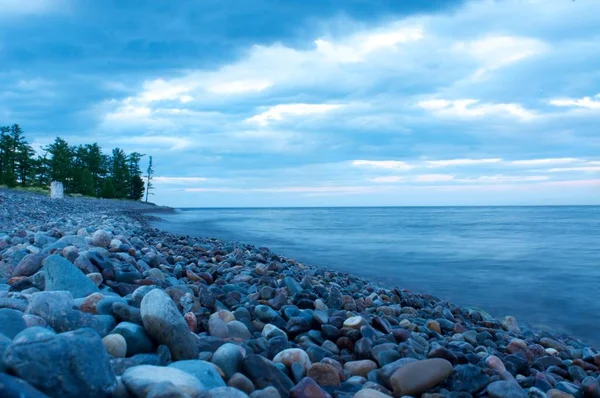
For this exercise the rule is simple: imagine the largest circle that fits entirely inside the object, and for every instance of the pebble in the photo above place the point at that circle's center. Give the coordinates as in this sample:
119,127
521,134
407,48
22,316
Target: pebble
115,345
291,355
163,322
324,374
140,379
205,372
63,275
360,368
229,358
417,377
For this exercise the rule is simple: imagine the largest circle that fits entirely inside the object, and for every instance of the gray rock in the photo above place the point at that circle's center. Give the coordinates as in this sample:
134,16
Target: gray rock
101,238
72,364
163,322
205,372
229,358
62,275
11,322
165,389
141,379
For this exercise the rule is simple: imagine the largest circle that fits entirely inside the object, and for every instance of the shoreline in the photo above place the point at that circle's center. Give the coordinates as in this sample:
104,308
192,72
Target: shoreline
314,331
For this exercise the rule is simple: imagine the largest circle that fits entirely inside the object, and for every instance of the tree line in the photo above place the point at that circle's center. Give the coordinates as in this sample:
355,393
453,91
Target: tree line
83,169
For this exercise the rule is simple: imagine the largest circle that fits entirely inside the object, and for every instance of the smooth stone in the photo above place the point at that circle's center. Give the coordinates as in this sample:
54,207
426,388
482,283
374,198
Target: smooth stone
360,368
62,275
140,379
164,389
11,322
263,374
307,388
205,372
370,393
267,392
324,374
297,371
12,387
505,389
115,345
417,377
238,330
163,322
224,392
355,322
136,338
229,358
72,364
101,238
241,382
29,265
291,355
218,328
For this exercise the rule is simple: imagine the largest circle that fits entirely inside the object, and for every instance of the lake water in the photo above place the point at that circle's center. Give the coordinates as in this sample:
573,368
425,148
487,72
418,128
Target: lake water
540,264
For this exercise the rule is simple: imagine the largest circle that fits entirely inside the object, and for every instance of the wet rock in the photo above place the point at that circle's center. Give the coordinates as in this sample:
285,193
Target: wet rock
468,378
324,375
229,358
205,372
264,374
11,322
505,389
136,338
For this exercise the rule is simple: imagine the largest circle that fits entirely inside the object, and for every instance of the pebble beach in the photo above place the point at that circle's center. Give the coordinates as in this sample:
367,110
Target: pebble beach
94,302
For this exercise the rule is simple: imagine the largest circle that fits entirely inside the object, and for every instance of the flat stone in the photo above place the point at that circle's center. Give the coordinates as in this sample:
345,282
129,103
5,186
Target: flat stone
416,378
205,372
62,275
163,322
72,364
140,379
360,368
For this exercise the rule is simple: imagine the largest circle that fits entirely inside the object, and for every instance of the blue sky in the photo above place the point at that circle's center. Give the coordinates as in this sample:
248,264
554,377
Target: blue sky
318,103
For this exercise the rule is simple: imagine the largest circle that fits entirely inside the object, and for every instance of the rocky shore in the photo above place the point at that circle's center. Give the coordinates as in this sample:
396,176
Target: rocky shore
95,303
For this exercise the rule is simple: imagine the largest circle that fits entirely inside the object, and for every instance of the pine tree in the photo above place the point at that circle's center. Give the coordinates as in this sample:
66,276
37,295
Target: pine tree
120,173
149,176
60,165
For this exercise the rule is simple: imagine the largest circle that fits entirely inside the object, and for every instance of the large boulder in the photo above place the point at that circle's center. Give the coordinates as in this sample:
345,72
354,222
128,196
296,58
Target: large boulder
72,364
63,275
140,380
163,322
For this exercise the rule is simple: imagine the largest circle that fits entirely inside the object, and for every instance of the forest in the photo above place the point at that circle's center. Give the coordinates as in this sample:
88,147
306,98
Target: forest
83,169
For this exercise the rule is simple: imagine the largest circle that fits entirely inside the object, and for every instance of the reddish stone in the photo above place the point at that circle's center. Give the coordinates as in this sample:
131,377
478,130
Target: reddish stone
308,388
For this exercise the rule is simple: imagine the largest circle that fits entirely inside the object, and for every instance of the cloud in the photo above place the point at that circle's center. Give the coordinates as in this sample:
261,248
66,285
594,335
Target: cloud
499,178
568,169
10,8
383,164
462,162
156,141
279,112
585,102
434,178
357,47
472,108
239,86
293,189
499,51
536,162
388,179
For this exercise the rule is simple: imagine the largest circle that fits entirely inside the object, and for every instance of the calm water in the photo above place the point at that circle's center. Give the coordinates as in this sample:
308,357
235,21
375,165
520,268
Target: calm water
540,264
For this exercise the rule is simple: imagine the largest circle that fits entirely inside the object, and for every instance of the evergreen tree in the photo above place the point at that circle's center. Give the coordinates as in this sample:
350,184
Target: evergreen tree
108,189
149,176
120,173
60,165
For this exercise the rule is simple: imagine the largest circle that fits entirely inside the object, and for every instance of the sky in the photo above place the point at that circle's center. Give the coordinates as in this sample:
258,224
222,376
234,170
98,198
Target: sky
319,102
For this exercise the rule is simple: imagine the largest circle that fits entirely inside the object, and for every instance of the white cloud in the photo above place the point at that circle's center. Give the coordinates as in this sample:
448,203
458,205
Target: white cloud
472,108
156,141
383,164
19,7
279,112
387,179
293,189
461,162
494,52
434,178
585,102
239,86
499,178
178,180
535,162
582,168
357,47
